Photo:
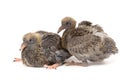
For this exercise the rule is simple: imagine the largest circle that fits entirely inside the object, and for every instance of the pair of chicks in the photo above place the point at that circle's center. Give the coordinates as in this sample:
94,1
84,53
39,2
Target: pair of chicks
87,42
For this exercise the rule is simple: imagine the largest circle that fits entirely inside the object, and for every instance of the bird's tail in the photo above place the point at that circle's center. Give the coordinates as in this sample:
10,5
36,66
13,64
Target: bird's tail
109,46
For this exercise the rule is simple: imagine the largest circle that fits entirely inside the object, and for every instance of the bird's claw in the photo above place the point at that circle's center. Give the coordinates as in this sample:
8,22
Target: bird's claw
54,66
17,60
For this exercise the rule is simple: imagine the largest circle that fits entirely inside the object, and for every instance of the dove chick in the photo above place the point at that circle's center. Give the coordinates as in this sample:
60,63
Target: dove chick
43,49
87,42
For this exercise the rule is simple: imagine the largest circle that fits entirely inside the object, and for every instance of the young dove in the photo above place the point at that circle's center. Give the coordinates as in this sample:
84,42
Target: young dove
87,42
43,49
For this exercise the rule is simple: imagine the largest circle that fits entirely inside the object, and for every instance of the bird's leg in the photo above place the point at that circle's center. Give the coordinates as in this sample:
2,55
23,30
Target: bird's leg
17,60
54,66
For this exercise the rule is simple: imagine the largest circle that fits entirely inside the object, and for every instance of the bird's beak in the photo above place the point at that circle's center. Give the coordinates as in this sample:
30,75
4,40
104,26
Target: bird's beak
23,46
60,29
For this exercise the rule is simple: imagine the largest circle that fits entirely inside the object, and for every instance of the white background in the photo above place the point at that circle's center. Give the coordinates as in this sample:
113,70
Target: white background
18,17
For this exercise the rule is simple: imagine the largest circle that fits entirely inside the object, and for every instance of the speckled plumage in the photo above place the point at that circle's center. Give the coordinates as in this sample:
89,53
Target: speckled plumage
42,48
87,41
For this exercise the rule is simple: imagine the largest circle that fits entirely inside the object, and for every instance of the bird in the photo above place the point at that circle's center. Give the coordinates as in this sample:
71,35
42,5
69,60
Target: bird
87,42
43,49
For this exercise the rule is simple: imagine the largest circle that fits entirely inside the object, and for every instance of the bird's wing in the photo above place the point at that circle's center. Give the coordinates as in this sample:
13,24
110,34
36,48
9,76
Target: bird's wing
50,40
50,43
86,44
86,25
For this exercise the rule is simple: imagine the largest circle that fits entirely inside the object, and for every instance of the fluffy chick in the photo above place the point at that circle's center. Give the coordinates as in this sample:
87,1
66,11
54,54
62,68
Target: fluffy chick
87,42
43,49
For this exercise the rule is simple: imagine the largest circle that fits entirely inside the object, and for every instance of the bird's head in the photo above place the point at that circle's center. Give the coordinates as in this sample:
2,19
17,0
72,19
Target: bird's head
30,39
67,23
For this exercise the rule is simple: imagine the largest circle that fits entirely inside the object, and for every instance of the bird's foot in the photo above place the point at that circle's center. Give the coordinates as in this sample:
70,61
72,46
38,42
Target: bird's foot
54,66
76,64
17,60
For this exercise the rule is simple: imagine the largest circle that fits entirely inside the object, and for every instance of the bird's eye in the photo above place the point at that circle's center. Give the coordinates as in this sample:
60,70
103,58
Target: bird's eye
68,23
31,40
